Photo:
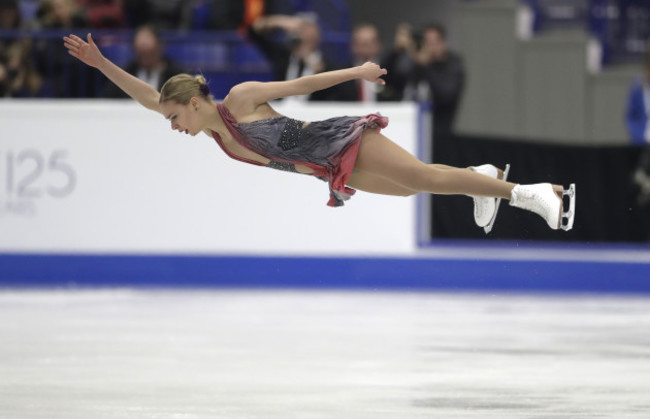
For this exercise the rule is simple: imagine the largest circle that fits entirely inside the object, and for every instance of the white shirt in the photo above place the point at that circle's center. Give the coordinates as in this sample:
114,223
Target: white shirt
293,72
152,78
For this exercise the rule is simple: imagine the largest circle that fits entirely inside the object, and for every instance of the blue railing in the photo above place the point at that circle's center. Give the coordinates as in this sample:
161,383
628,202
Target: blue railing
224,57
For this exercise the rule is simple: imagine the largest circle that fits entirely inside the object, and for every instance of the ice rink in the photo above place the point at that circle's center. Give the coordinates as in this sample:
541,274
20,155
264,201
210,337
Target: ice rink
127,353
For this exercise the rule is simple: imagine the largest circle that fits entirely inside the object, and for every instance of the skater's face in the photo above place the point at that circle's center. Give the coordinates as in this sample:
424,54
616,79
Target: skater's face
183,118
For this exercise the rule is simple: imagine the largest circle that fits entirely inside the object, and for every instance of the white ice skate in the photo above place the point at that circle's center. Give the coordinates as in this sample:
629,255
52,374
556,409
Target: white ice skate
487,208
542,199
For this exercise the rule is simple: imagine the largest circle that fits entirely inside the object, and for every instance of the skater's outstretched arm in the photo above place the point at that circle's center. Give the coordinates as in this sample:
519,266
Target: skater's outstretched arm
89,54
257,93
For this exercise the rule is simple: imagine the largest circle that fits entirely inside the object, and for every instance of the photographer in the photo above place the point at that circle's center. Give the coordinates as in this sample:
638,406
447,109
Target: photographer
437,75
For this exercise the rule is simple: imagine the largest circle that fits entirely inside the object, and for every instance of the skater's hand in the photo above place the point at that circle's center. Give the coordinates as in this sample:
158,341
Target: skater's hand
372,72
87,52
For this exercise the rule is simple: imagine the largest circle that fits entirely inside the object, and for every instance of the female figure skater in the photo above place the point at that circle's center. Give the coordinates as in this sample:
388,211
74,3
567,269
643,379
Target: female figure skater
347,152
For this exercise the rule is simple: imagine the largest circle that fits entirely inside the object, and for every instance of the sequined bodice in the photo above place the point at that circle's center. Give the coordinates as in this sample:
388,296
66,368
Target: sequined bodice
282,131
279,135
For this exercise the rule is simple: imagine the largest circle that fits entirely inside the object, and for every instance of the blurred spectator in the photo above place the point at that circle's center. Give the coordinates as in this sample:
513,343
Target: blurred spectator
9,14
224,15
231,15
638,107
18,77
366,45
437,76
65,77
399,62
163,14
302,55
102,13
636,119
60,14
150,64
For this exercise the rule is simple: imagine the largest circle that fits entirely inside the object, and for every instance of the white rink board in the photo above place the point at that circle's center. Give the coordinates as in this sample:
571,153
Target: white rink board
112,177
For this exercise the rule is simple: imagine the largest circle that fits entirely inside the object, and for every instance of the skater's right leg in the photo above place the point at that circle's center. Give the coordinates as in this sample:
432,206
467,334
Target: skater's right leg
382,157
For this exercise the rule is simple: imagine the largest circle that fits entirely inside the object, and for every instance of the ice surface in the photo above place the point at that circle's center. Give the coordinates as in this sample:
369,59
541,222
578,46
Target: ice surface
321,354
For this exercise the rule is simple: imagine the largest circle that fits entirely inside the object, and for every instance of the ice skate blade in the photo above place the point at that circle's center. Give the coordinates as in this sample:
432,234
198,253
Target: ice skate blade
569,215
488,227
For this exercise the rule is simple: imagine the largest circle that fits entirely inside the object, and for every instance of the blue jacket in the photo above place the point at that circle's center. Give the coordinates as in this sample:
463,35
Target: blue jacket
636,115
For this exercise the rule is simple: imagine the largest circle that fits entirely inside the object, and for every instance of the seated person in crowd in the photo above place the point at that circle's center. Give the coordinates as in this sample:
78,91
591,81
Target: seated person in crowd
103,13
164,14
9,15
366,45
10,19
60,14
301,57
149,65
18,77
225,15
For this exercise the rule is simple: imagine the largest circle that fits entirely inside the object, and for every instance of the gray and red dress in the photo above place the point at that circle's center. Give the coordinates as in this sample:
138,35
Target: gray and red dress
328,147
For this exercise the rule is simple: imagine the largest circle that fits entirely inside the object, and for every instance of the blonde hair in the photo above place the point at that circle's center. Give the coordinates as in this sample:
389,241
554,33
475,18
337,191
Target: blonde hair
183,87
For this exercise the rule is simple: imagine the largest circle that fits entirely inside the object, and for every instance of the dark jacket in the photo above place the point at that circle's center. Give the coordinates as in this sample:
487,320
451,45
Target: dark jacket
446,81
279,55
171,69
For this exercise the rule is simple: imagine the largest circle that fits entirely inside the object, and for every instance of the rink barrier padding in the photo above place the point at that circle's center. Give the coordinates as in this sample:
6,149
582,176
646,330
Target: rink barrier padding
360,273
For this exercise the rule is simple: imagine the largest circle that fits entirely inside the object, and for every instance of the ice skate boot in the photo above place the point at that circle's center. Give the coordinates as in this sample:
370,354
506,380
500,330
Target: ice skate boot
542,199
486,208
